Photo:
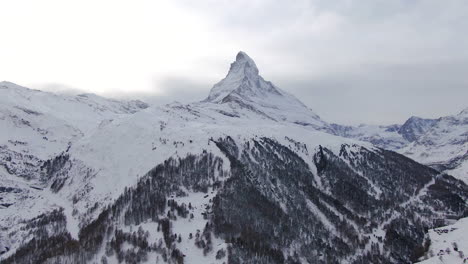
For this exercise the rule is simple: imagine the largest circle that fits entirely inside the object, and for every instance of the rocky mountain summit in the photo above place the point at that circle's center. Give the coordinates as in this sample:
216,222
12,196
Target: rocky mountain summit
243,91
415,127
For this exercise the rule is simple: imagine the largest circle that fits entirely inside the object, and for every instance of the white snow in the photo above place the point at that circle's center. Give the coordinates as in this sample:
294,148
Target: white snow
382,136
112,144
320,216
200,202
110,150
445,141
454,238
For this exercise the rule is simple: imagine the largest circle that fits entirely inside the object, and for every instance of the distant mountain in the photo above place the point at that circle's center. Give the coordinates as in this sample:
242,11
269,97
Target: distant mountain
387,137
391,137
415,127
444,146
440,143
249,175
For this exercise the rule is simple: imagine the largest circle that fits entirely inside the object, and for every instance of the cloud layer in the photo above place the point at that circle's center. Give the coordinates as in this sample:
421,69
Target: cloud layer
351,61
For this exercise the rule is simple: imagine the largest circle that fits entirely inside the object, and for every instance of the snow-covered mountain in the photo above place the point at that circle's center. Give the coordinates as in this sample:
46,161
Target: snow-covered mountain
440,143
391,137
37,125
415,127
249,175
444,146
386,137
243,92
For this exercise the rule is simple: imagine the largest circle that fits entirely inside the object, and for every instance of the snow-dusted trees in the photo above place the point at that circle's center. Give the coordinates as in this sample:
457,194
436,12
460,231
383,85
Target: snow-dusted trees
273,209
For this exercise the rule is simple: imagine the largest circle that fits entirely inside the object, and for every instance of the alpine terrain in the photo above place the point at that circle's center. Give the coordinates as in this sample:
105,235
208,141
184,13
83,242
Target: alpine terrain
248,175
440,143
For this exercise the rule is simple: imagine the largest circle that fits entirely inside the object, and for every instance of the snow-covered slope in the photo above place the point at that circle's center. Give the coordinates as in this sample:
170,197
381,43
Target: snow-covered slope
440,143
391,137
43,124
38,126
69,148
444,145
448,244
242,106
262,175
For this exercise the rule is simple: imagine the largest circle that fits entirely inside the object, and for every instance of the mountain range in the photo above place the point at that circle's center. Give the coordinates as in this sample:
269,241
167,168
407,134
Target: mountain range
439,143
248,175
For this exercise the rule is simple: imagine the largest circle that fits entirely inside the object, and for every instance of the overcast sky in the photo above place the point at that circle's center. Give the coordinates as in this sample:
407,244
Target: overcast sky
351,61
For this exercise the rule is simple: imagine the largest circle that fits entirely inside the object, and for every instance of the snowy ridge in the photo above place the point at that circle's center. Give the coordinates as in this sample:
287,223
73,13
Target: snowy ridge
243,92
242,69
98,169
440,143
133,146
415,127
37,126
444,145
44,124
386,137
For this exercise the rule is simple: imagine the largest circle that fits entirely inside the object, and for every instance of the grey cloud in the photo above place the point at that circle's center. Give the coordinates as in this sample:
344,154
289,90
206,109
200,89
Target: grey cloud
385,94
179,88
351,61
59,88
374,62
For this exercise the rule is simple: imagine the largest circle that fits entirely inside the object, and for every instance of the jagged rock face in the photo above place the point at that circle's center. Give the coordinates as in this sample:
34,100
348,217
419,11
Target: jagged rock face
414,127
444,145
363,206
241,78
244,89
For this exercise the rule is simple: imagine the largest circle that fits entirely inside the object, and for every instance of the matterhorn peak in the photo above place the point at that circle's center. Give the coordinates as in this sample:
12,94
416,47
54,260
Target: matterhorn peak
242,78
464,112
243,89
244,65
242,56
